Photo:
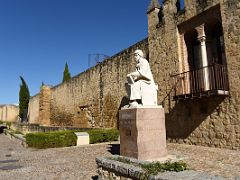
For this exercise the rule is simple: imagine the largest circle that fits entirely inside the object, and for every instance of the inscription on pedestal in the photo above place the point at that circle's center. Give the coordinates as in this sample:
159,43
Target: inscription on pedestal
126,123
127,115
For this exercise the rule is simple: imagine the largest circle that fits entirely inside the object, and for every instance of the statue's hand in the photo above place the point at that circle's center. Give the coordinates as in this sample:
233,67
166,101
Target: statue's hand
135,74
128,75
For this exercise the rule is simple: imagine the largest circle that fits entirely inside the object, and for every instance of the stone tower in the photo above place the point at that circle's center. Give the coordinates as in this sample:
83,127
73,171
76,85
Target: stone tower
45,105
188,47
153,15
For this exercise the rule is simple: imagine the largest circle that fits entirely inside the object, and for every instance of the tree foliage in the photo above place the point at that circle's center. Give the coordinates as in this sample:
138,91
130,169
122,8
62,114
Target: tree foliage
24,97
66,74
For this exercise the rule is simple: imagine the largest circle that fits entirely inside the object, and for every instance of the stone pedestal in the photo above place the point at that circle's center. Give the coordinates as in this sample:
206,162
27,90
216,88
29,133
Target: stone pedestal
82,138
143,133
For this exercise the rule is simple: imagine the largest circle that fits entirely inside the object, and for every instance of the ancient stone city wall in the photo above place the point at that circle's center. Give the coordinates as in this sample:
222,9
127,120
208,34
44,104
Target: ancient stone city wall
90,99
9,113
209,121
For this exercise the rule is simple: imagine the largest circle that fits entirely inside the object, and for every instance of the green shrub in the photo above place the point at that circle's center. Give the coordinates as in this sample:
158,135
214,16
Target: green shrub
103,135
51,139
153,168
68,138
156,167
8,125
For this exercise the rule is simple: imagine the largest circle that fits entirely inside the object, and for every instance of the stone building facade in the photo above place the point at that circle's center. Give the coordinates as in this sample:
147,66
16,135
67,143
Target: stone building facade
195,56
194,53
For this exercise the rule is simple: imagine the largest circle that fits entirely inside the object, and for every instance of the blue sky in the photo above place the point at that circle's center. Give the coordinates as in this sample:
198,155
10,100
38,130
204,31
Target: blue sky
37,37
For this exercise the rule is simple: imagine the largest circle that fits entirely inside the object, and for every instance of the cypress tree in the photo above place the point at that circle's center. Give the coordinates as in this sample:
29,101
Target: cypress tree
24,97
66,74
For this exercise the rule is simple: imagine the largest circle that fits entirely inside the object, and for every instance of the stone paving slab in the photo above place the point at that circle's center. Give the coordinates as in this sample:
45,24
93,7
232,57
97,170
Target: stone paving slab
17,162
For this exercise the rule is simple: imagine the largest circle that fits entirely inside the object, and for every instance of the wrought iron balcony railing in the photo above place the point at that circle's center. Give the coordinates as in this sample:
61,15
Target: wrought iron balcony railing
207,80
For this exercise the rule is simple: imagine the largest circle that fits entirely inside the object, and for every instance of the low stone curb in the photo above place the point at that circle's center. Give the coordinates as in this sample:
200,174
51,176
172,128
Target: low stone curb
18,137
109,168
117,168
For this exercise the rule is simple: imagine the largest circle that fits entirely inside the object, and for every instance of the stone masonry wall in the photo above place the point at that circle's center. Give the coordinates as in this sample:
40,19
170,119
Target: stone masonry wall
93,98
9,113
33,110
209,121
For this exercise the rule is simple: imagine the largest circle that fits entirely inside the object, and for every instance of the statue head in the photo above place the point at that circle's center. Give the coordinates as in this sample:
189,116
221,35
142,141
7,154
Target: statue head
138,52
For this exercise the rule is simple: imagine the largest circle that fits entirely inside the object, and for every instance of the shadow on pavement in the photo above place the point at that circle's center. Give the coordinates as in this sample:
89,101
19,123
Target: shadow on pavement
94,177
114,149
10,167
8,161
2,128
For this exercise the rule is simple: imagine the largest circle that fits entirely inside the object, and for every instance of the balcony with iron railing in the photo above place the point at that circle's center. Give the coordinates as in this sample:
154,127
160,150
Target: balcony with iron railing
205,81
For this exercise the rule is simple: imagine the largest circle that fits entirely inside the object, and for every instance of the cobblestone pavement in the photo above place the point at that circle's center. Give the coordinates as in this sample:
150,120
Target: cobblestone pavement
215,161
17,162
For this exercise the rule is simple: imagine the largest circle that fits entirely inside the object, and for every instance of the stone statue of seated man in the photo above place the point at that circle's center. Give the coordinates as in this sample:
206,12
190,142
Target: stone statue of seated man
143,90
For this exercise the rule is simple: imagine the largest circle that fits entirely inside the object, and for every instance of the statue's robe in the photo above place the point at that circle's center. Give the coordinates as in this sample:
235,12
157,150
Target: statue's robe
144,87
